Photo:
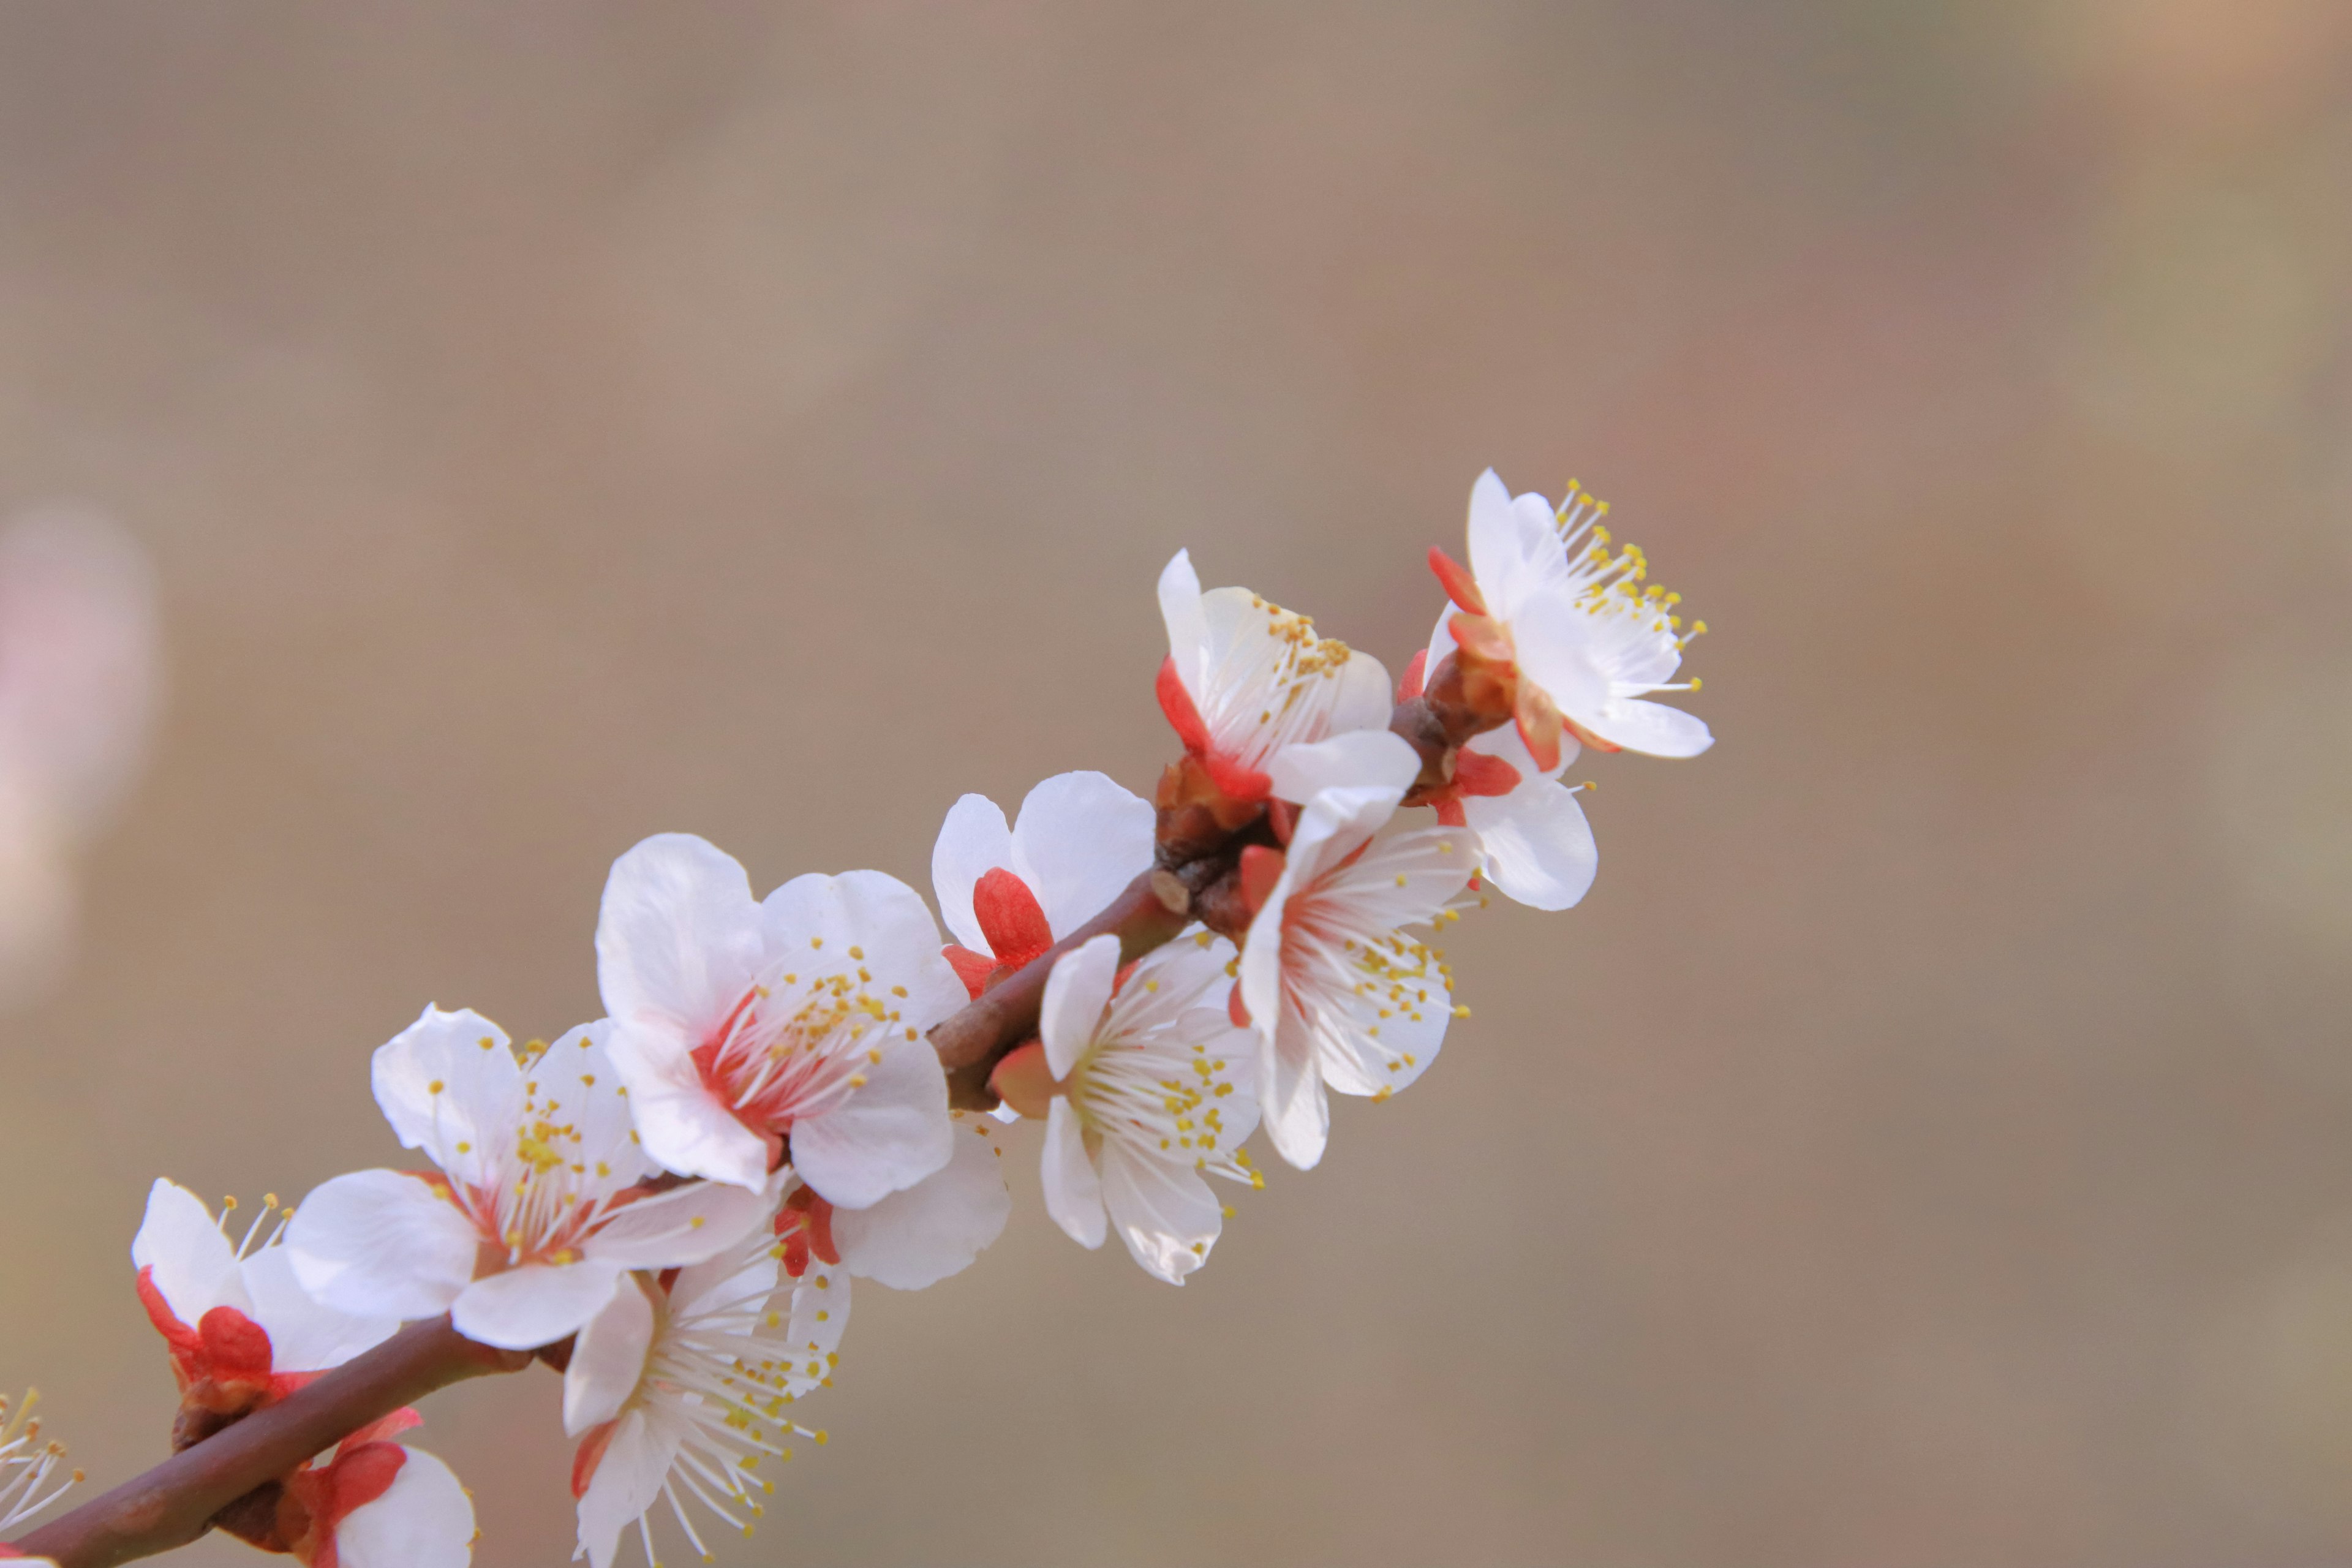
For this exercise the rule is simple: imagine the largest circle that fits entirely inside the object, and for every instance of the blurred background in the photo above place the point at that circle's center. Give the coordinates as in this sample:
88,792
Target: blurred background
1930,1143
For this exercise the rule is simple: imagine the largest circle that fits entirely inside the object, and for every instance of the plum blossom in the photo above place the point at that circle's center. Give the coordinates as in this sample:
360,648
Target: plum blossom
1132,1074
373,1504
740,1024
1008,894
1245,679
1533,841
921,1234
79,676
535,1213
1560,633
1338,994
678,1391
241,1330
27,1460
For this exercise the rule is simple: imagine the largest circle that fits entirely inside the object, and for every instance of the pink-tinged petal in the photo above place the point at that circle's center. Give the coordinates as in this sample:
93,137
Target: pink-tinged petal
1188,626
934,1228
1296,1115
449,1085
1162,1210
1552,639
195,1267
1650,728
685,1224
683,1125
1073,1187
1362,759
305,1333
608,1359
1079,841
534,1305
424,1519
1076,992
888,1135
973,841
677,939
1538,846
627,1482
382,1244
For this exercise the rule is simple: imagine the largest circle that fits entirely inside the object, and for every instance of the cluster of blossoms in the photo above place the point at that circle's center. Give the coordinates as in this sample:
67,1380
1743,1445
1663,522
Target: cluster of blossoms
790,1092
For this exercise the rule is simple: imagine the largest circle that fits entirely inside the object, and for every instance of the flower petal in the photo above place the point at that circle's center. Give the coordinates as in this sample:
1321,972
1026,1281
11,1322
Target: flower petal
888,1135
1073,1187
685,1224
937,1226
1188,626
818,920
449,1085
424,1519
195,1267
628,1480
1551,636
1650,728
534,1305
305,1333
973,841
1374,759
1538,846
1080,840
608,1359
382,1244
1296,1115
684,1126
1075,994
1162,1210
677,939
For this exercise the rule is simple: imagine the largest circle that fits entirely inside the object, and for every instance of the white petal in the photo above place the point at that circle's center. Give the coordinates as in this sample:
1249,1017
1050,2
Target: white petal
677,939
685,1224
381,1244
1552,638
424,1519
1075,994
683,1125
820,1310
449,1085
305,1333
1366,696
1506,743
578,1074
937,1226
815,920
1440,645
1539,847
627,1482
1188,627
715,1290
1162,1210
973,841
1650,728
608,1359
1374,759
1079,841
885,1136
1073,1187
1297,1117
1359,1060
534,1305
194,1266
1494,538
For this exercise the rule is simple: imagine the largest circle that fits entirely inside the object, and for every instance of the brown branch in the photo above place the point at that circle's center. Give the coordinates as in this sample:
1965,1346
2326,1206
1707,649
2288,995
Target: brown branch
173,1503
1201,843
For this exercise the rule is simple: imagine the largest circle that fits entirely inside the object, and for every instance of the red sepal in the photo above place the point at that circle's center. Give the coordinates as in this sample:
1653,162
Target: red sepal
1244,786
1283,818
1416,672
588,1456
1449,810
1177,703
1010,918
1236,1009
1261,870
331,1493
1540,725
1460,586
972,968
1479,773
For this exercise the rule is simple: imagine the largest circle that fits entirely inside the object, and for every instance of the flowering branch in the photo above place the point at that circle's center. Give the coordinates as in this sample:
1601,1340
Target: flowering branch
173,1503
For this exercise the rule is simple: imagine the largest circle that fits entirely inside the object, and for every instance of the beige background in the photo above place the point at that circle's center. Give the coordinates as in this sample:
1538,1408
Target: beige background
558,423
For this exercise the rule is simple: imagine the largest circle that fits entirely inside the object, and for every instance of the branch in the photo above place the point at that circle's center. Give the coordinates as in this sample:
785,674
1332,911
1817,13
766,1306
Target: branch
173,1503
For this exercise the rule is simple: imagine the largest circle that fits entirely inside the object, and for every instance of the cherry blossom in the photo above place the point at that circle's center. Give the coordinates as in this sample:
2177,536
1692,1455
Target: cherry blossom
1008,894
1533,841
79,673
1243,678
535,1215
1338,994
1132,1074
740,1024
1556,631
27,1460
678,1391
241,1330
